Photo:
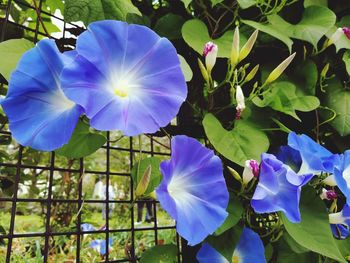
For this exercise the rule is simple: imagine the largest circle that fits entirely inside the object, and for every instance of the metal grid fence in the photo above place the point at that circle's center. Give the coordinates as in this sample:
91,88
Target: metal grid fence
158,146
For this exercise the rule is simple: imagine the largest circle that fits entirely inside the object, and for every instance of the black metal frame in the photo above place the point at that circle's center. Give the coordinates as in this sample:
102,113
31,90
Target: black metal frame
48,233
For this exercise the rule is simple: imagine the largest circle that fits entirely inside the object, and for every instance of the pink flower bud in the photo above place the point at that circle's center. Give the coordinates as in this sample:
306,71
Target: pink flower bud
210,53
328,194
251,170
346,31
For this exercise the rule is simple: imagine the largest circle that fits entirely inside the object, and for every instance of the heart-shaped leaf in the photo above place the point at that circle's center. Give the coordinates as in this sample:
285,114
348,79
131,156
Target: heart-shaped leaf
313,232
83,142
242,143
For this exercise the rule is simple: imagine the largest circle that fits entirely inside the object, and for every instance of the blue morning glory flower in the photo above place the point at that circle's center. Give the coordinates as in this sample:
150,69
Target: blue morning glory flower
342,175
315,158
100,245
39,113
193,190
340,231
87,227
126,78
278,189
290,157
249,249
342,217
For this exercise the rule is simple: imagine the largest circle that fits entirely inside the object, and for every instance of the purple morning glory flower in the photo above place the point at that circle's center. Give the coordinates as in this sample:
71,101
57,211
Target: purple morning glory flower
39,113
340,231
193,190
126,78
342,175
100,245
315,158
278,189
290,157
249,249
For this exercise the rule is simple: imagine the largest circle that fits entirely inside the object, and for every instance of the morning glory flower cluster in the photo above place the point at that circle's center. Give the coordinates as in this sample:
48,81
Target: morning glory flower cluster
127,78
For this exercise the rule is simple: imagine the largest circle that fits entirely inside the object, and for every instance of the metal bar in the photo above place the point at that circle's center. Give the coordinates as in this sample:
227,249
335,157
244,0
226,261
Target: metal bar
14,204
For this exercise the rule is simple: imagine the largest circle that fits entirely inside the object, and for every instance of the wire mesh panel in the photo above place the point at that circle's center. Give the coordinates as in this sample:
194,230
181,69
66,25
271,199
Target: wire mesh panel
53,208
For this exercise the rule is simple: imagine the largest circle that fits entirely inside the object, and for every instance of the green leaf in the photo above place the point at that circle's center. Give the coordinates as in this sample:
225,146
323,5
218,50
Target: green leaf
272,31
169,26
195,34
315,23
83,142
235,210
343,41
186,2
144,182
139,169
215,2
244,4
282,97
186,69
305,78
313,232
160,254
346,59
10,52
315,2
93,10
337,98
242,143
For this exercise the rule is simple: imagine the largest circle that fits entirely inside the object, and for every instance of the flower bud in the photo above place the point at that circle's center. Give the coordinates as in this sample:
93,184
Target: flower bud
248,46
203,71
210,53
279,69
240,102
346,31
234,173
251,170
328,194
235,48
330,180
251,74
335,37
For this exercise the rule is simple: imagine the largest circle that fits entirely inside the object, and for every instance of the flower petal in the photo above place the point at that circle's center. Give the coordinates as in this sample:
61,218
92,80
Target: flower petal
342,175
278,189
315,158
193,181
208,254
126,73
40,115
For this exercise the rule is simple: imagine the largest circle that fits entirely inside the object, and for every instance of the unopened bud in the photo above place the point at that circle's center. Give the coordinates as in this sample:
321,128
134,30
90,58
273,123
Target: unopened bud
328,194
335,37
234,173
251,170
248,46
203,71
235,48
346,31
252,74
210,53
279,69
240,99
330,180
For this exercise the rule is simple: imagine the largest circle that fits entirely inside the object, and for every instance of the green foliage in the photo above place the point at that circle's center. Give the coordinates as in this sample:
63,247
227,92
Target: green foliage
337,98
10,52
83,142
186,69
234,210
169,26
139,169
245,141
160,254
93,10
313,232
282,97
195,34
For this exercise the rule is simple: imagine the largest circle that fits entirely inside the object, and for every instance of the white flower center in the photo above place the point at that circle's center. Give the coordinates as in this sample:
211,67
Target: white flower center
60,101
